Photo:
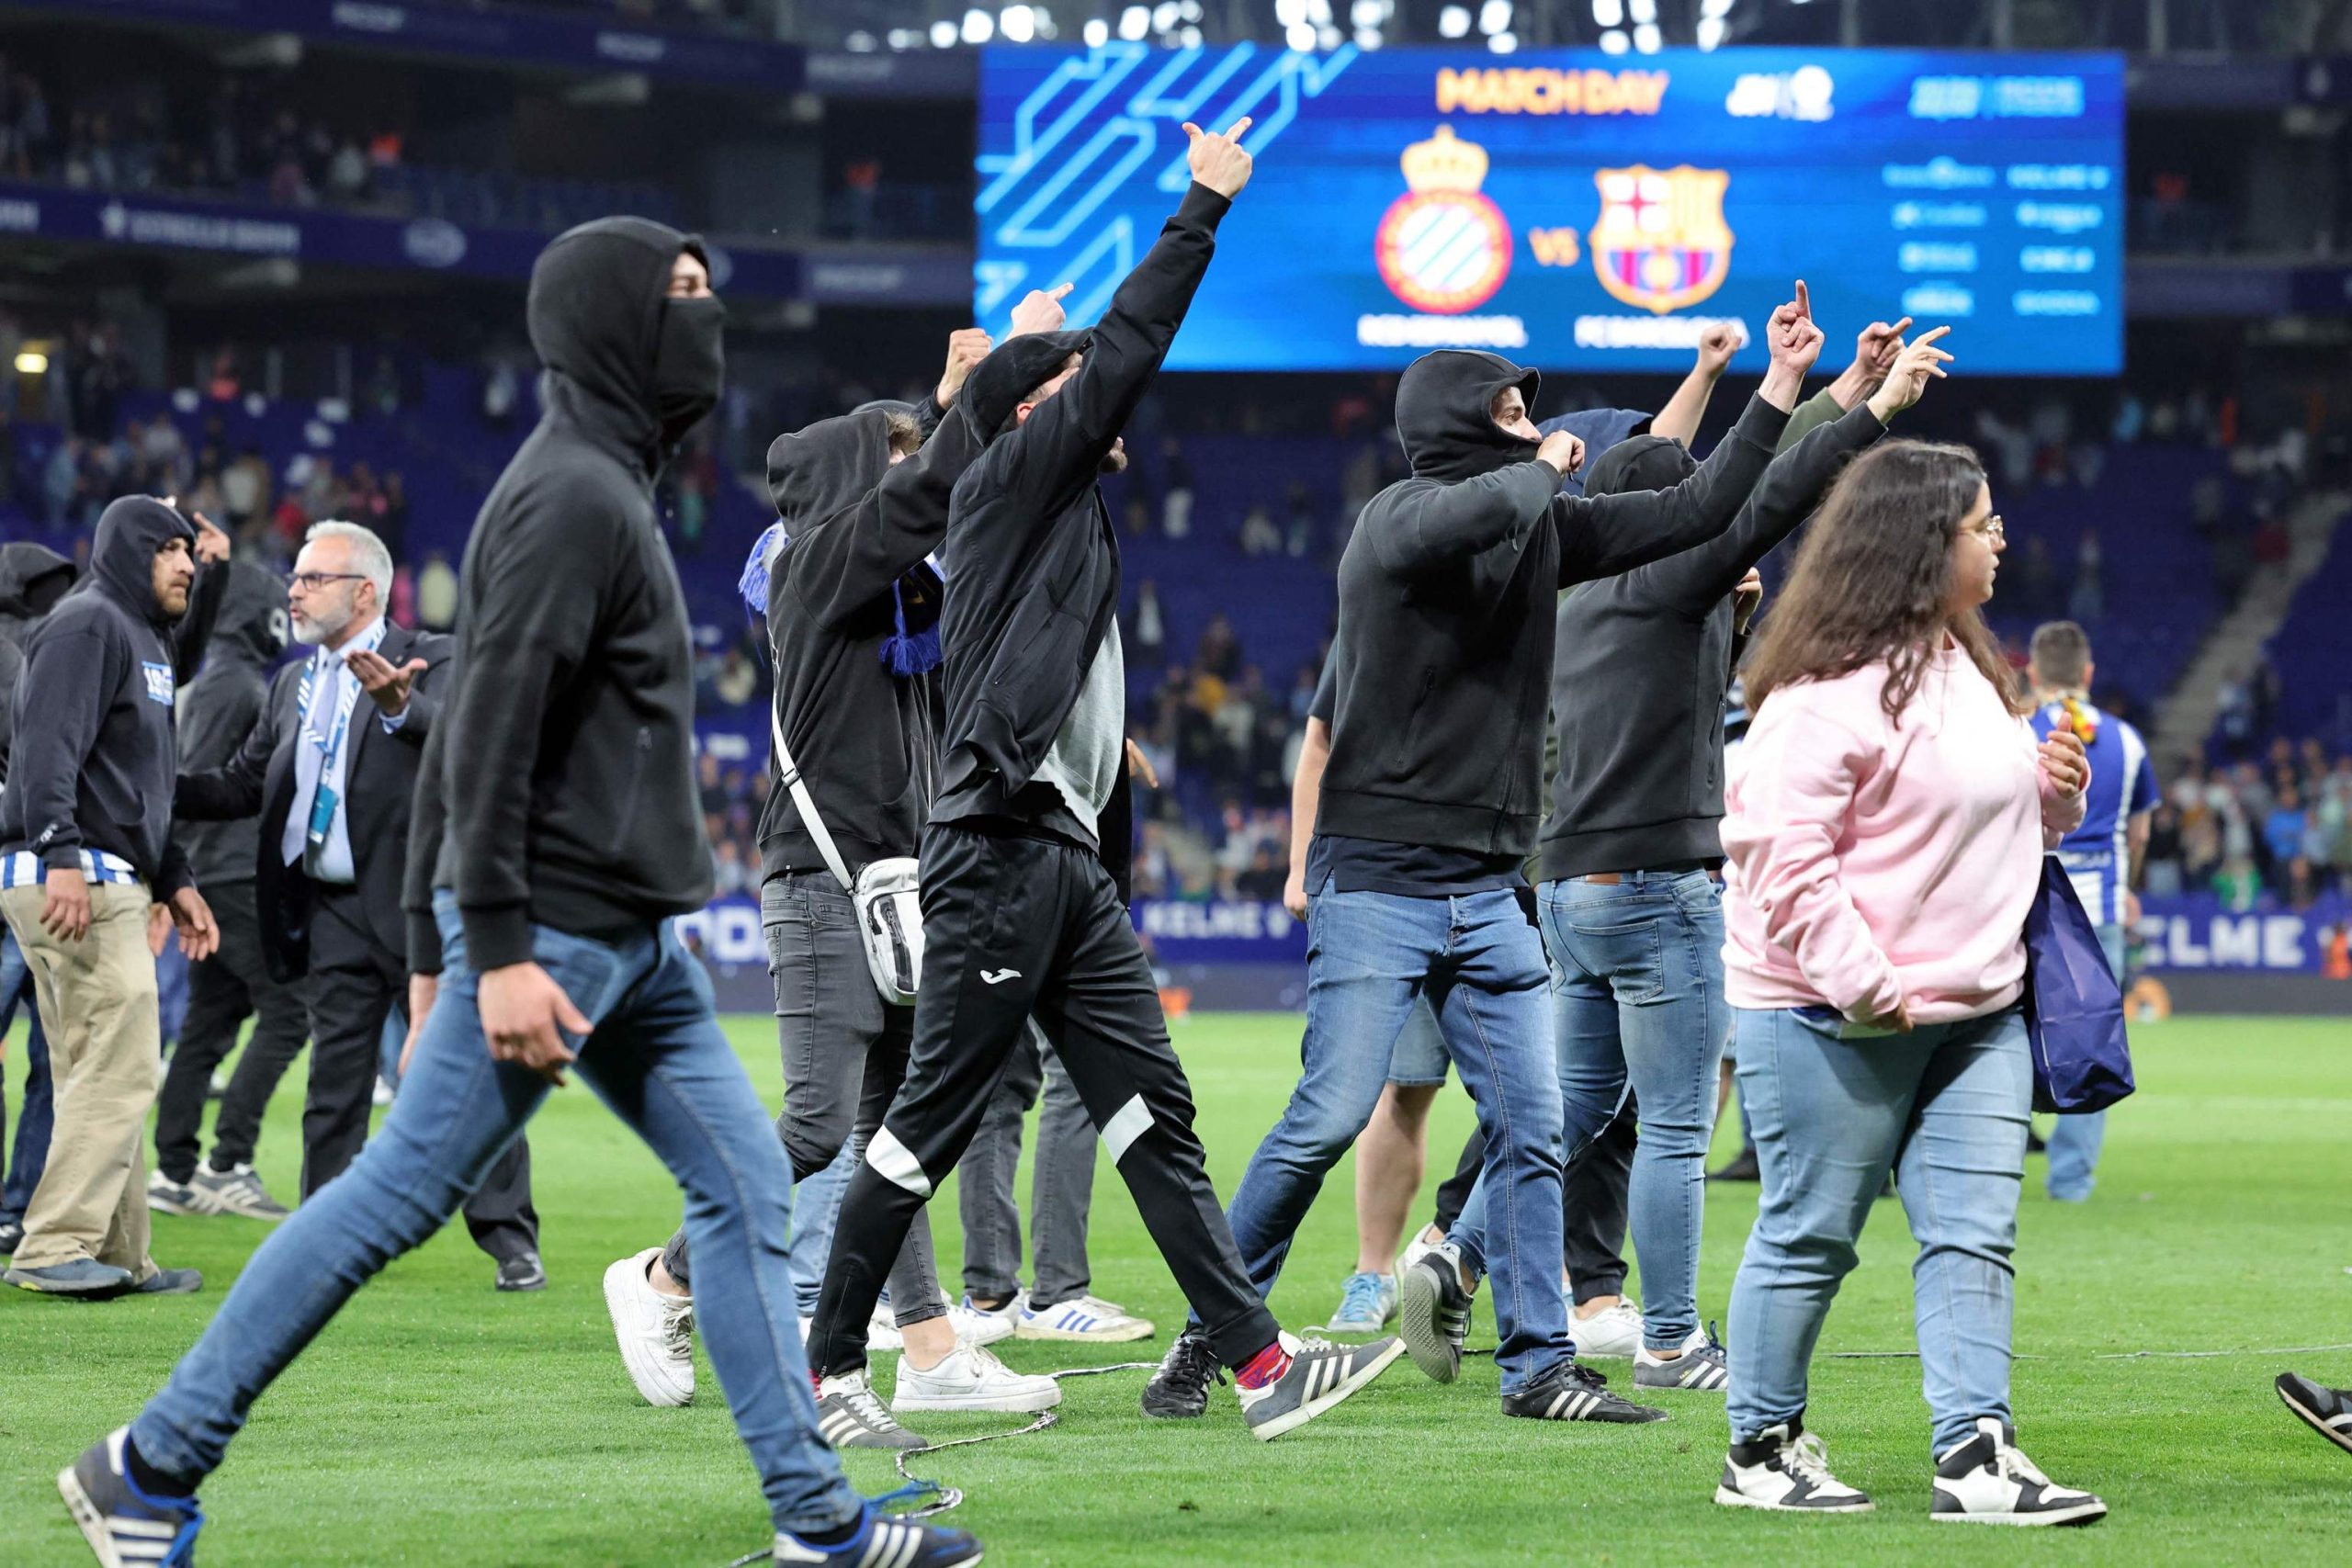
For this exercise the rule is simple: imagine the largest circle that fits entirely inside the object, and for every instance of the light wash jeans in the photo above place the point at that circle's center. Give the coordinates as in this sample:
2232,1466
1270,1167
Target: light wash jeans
1946,1107
1062,1184
816,1205
35,1117
2075,1141
1371,959
658,1059
1638,1002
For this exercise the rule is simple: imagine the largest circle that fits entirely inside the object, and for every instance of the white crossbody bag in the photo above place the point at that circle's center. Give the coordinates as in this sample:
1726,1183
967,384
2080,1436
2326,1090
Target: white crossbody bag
885,894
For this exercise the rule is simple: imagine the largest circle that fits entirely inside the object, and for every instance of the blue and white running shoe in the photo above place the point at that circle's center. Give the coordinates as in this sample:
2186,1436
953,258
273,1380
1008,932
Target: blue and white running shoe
1089,1319
881,1541
125,1527
1367,1304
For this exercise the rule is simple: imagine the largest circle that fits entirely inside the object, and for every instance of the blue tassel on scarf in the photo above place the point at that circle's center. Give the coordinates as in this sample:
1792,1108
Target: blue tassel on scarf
754,583
913,652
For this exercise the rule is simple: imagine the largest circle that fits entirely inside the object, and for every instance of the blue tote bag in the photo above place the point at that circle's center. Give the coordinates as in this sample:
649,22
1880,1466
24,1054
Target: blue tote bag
2073,1004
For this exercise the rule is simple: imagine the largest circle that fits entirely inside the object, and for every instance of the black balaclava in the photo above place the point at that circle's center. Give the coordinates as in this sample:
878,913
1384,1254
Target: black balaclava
1640,463
689,364
130,534
253,614
1445,414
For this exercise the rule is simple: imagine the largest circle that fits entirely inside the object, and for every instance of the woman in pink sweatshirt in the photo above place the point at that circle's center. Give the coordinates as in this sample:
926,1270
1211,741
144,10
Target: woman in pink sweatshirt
1885,836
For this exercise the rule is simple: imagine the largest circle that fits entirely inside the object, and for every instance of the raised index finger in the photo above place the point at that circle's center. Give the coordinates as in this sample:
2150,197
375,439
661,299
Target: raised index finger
1804,300
1930,335
1233,132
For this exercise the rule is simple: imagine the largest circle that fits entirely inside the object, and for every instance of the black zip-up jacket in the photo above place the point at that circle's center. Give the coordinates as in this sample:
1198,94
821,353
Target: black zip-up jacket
1643,661
1032,561
565,754
92,759
864,739
1446,598
33,578
219,710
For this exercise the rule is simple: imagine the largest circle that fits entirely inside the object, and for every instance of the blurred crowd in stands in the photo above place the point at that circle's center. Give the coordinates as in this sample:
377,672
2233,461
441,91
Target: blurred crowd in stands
2272,831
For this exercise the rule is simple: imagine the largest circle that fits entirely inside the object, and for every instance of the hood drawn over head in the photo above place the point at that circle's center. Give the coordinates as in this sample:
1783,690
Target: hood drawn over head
1026,363
816,471
597,301
122,552
1640,463
1445,417
253,621
33,578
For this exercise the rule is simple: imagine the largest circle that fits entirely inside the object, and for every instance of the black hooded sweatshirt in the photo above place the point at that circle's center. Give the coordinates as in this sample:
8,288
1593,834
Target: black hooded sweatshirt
93,759
1446,597
565,755
865,739
219,709
33,578
1032,561
1640,775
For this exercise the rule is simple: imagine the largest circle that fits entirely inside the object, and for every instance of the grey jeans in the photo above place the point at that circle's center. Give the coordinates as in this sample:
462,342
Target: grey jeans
1061,1183
844,1057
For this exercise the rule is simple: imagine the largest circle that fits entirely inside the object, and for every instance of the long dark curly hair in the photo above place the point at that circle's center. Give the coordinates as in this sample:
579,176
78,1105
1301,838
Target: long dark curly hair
1873,580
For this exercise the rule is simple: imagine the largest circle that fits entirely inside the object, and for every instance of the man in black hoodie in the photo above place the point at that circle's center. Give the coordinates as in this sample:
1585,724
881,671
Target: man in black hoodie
852,606
33,578
1024,910
1429,805
86,850
564,761
217,712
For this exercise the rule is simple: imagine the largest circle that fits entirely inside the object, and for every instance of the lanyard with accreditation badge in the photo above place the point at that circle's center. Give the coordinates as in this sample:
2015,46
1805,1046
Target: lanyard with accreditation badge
323,801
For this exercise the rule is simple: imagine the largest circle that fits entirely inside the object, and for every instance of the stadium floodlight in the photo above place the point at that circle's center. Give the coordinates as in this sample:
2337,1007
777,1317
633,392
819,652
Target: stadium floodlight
1290,13
859,43
1503,43
1164,16
1647,39
1134,22
1709,9
979,26
1097,32
1493,17
1613,42
1300,36
1609,13
1188,37
1016,24
1642,10
1368,38
1454,21
31,362
942,34
1367,13
1711,31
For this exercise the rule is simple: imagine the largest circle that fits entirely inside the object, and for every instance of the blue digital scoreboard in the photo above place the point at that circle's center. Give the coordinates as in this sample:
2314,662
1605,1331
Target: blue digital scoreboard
1573,209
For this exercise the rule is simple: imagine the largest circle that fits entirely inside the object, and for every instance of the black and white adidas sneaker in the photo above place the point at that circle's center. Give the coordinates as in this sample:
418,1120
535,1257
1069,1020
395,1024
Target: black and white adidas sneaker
1434,1312
1178,1391
125,1527
1703,1368
850,1416
881,1541
2327,1411
1987,1481
1786,1470
1569,1391
1320,1375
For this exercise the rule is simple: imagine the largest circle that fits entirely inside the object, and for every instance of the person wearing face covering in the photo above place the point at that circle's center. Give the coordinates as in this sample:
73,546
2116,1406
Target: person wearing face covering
1429,806
1024,910
851,606
85,851
563,803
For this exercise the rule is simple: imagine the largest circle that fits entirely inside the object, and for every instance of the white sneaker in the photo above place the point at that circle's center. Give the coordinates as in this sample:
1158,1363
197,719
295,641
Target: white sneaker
1613,1331
1987,1481
978,1325
1786,1470
1088,1318
656,1331
971,1378
383,1095
1425,1241
882,1331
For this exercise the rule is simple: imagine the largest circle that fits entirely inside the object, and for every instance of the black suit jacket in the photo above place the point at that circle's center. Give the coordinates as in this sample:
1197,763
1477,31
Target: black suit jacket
378,783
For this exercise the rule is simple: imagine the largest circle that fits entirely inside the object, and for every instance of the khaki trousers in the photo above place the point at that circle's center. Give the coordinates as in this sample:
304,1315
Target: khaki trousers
98,1005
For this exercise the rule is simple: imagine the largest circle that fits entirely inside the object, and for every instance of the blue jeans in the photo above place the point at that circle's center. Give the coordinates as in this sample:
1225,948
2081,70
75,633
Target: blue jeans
1947,1108
1371,959
658,1059
1638,1000
34,1117
2075,1141
816,1204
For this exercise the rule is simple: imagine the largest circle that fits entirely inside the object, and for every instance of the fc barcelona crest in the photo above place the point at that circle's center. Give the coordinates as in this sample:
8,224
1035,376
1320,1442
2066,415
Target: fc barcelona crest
1660,242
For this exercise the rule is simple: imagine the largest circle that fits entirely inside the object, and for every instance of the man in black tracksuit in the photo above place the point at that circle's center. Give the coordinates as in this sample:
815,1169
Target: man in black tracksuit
1631,912
86,850
1023,906
216,713
564,763
1429,805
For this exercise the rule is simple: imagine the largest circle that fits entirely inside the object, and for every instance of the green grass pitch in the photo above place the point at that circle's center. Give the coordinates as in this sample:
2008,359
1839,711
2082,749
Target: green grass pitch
437,1422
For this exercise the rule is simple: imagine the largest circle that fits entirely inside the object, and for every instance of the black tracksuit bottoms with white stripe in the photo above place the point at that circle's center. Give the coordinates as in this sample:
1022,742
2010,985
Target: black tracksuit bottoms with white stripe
1019,924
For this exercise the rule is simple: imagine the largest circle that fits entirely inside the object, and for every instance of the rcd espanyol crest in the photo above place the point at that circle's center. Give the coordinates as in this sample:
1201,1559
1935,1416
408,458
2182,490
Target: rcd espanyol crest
1661,242
1443,246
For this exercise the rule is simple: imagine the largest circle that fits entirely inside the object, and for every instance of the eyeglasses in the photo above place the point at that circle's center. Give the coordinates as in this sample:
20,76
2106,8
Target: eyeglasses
1990,530
311,581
